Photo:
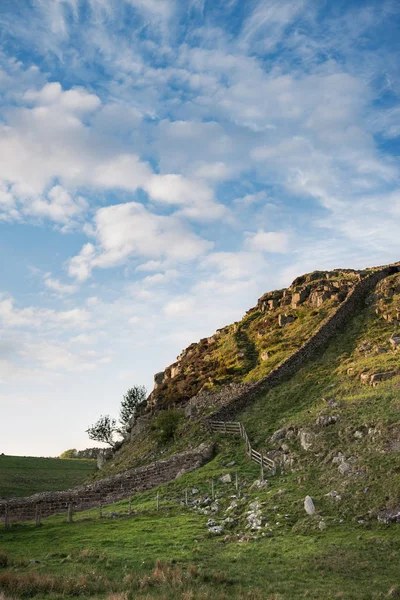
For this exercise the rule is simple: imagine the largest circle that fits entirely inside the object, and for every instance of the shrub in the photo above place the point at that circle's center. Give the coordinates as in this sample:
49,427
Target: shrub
164,426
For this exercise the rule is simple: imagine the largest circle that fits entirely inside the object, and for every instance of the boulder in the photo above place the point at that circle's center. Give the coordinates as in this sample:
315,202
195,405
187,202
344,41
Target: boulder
285,320
395,340
377,377
325,420
306,439
309,506
391,515
280,434
226,478
344,468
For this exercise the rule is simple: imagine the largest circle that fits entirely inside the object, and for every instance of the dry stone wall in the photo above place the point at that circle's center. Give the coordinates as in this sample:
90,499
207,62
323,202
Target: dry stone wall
105,491
327,330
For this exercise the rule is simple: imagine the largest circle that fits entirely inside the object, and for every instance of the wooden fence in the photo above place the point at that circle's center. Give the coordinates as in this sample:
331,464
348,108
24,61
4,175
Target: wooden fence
237,428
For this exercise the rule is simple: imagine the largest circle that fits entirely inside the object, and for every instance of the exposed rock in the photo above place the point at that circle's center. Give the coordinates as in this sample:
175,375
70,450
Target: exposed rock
377,377
344,468
322,525
325,420
391,515
339,458
254,518
259,485
395,340
230,464
280,434
309,506
159,379
226,478
264,356
216,529
306,439
300,296
334,495
365,377
379,350
176,369
285,320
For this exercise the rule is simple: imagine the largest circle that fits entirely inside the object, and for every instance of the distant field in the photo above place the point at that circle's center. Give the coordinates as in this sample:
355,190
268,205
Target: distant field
23,476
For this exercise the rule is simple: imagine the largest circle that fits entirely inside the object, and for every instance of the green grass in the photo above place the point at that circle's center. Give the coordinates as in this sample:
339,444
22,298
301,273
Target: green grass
23,476
170,554
95,558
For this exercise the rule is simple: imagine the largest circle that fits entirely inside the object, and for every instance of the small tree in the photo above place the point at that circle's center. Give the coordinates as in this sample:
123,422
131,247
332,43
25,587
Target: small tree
103,430
72,453
132,400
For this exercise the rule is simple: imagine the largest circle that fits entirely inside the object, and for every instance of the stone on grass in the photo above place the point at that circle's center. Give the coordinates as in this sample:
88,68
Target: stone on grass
309,506
226,478
306,439
216,529
278,435
325,420
391,515
395,340
344,468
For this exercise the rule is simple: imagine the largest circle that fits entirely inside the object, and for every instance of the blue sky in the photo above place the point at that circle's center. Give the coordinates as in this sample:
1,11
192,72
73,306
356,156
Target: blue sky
163,164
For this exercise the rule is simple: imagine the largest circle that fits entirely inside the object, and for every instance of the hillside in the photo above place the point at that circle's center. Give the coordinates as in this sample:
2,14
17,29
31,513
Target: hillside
332,428
249,349
340,412
22,475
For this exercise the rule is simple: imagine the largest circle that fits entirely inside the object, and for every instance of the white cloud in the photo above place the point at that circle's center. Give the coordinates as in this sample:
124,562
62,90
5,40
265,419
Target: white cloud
129,230
33,317
267,241
59,206
195,197
234,265
179,307
73,100
55,285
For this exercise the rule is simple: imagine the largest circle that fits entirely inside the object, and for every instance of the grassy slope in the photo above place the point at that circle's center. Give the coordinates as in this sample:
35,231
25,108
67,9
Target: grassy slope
290,557
327,387
93,557
23,476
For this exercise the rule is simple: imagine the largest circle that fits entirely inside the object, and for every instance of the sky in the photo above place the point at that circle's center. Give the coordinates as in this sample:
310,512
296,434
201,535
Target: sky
163,164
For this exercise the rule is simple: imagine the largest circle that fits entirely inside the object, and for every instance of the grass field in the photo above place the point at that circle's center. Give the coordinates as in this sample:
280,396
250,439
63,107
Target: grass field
23,476
169,554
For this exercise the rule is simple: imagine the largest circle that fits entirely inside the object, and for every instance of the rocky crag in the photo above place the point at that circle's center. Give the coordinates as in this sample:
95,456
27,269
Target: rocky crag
248,350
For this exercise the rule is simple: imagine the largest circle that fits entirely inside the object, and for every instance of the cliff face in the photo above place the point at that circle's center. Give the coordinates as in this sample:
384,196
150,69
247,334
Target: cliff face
248,350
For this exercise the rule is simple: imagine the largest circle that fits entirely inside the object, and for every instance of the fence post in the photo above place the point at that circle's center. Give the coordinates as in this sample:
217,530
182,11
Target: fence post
186,497
158,501
225,427
37,515
262,466
212,489
6,517
130,505
70,512
101,511
237,484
